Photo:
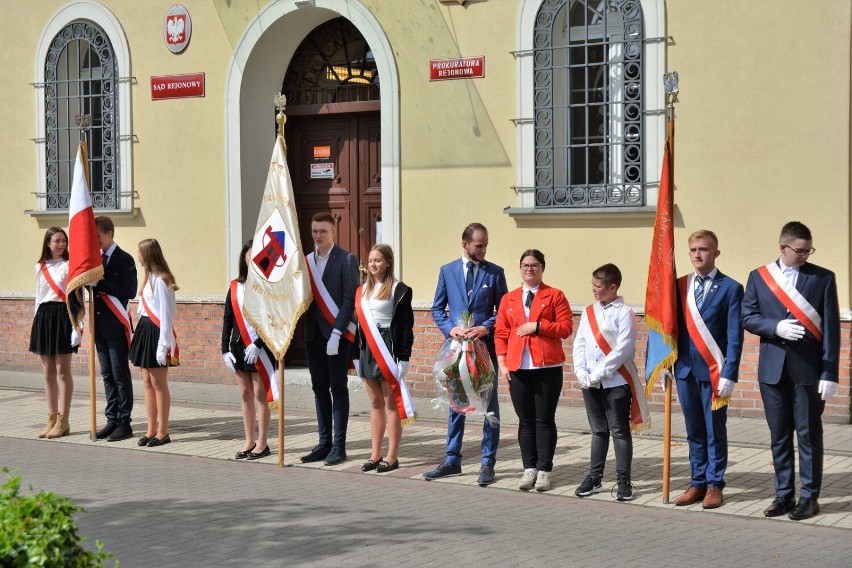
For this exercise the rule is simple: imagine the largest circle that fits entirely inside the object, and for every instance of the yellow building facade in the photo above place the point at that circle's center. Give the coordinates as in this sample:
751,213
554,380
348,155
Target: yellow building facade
762,137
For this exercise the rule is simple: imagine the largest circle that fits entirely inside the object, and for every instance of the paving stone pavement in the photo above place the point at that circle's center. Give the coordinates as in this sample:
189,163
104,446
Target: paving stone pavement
338,516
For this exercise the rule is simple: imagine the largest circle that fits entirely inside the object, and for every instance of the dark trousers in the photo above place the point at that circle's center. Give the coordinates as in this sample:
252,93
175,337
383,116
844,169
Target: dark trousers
535,394
115,370
608,411
331,390
706,432
793,407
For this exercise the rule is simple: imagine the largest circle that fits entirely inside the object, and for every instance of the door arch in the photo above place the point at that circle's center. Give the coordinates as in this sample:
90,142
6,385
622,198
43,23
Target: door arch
254,76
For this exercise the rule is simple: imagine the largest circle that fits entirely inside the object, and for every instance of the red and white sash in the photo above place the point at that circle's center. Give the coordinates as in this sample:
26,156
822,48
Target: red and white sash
640,417
120,312
45,271
702,338
795,303
324,301
172,358
248,335
385,360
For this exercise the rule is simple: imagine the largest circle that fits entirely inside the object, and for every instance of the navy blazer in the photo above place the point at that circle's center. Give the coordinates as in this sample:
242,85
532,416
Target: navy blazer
721,313
808,360
341,279
120,281
451,298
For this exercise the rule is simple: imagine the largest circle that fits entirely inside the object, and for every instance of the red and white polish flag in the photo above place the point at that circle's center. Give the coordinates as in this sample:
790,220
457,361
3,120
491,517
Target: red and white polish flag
84,250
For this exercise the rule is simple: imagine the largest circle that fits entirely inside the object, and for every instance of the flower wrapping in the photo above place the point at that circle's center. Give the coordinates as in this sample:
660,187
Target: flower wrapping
464,375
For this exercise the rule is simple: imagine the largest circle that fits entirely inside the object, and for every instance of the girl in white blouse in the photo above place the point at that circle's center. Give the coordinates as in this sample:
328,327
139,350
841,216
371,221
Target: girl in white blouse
154,348
52,337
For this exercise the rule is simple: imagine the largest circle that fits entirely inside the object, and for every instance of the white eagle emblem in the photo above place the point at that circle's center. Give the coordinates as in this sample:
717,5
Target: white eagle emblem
175,27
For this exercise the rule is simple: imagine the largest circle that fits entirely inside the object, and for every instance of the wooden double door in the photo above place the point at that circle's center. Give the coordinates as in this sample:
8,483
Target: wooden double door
335,165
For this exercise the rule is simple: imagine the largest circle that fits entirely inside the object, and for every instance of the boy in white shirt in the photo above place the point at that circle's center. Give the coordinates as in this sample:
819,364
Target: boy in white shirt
604,350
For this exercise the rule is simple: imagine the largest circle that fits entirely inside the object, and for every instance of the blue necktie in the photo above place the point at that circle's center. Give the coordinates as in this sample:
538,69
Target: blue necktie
699,291
468,280
104,259
530,295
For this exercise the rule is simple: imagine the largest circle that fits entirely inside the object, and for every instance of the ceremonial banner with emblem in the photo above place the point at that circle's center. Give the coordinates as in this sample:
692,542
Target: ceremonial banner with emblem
277,290
661,298
84,250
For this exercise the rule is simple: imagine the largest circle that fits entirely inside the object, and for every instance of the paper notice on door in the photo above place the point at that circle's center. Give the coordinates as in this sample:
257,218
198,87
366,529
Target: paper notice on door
322,171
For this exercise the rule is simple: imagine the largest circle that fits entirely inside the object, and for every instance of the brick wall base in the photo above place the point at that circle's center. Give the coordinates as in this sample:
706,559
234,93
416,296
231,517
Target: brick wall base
199,327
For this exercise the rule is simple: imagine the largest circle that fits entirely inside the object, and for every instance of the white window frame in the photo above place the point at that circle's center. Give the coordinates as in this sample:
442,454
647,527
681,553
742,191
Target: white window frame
109,24
654,129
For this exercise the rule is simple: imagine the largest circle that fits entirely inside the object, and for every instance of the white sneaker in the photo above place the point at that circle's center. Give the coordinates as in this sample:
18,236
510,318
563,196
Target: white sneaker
542,483
527,481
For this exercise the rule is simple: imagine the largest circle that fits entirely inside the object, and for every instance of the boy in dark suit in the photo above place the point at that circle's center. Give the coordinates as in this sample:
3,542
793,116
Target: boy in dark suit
792,305
112,332
710,341
329,334
474,285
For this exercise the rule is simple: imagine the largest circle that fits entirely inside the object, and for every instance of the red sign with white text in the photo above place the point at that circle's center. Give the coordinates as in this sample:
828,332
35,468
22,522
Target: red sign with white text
460,68
177,86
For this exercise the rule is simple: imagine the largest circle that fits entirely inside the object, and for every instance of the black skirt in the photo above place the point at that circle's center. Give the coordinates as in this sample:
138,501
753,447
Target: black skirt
368,366
143,349
51,331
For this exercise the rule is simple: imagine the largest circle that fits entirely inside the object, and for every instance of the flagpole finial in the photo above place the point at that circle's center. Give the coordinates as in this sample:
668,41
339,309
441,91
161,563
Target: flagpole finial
280,104
83,122
670,81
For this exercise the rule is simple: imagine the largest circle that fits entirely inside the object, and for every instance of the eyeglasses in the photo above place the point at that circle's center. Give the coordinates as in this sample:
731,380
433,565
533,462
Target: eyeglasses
530,267
801,252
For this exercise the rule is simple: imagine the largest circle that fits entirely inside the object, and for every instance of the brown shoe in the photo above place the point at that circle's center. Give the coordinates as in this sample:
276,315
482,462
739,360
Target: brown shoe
692,495
713,498
51,422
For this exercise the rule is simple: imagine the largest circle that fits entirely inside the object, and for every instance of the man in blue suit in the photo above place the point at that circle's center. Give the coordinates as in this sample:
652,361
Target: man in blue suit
710,340
792,305
329,335
474,285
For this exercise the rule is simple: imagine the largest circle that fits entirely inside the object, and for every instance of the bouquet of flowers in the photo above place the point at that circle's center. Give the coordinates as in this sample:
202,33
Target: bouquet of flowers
464,375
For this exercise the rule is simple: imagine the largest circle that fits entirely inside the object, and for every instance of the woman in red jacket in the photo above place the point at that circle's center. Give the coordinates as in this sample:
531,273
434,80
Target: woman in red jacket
531,323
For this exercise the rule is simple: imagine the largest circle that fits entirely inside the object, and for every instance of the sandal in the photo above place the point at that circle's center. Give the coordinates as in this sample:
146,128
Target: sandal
370,465
385,467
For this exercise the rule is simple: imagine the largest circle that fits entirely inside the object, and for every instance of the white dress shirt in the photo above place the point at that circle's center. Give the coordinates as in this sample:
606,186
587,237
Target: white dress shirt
588,356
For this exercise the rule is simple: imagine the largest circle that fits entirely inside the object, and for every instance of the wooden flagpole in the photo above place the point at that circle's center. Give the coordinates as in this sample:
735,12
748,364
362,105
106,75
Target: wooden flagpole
280,379
92,391
670,80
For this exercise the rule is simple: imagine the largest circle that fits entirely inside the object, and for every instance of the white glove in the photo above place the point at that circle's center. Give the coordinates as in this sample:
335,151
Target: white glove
357,364
161,355
790,330
252,353
229,360
827,389
403,369
597,377
584,379
665,383
75,338
333,345
726,387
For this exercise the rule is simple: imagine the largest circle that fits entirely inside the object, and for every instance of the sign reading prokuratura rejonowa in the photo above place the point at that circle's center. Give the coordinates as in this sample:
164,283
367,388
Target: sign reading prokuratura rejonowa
459,68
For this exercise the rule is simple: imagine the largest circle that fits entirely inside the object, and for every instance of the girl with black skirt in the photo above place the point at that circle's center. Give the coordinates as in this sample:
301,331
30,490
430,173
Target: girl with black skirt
53,338
241,355
154,348
387,302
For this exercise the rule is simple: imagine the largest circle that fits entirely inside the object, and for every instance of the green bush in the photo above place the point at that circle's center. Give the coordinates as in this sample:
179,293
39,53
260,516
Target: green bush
39,530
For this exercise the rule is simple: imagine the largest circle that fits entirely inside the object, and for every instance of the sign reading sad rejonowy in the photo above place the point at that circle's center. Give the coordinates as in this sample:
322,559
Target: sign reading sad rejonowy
177,86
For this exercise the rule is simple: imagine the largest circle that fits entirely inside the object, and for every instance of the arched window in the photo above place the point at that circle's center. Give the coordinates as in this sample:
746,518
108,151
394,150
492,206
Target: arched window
591,108
80,77
333,64
588,95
